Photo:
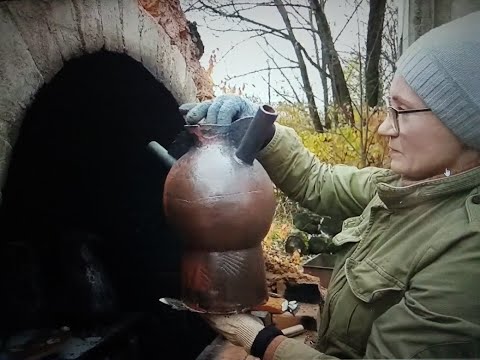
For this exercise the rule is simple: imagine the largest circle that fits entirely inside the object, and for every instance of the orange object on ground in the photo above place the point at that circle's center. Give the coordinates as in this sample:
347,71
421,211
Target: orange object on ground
273,306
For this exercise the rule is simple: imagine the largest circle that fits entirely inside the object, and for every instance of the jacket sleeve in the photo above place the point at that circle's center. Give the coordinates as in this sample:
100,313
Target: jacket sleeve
338,190
439,315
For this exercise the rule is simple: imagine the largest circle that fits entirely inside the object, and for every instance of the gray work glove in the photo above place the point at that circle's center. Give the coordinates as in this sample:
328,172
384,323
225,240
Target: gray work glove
224,110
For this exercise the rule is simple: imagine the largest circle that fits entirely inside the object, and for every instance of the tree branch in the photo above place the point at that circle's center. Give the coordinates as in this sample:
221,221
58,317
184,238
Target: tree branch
237,15
228,78
348,20
283,96
281,72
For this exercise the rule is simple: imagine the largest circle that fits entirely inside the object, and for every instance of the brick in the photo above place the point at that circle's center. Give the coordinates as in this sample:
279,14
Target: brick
285,320
273,306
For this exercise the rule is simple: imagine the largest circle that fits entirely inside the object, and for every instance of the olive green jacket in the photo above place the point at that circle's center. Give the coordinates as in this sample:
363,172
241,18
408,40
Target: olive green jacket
407,284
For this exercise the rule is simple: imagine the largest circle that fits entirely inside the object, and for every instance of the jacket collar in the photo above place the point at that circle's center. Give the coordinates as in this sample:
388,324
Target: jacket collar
393,194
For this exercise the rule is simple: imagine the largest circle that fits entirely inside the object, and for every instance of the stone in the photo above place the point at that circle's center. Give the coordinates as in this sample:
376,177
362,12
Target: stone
5,152
190,91
180,75
307,221
319,244
169,15
61,18
9,130
111,25
42,44
163,59
296,242
90,24
197,40
151,40
20,78
331,226
130,17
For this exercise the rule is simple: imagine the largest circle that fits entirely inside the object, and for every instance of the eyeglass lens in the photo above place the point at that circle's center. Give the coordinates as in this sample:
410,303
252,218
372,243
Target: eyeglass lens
393,117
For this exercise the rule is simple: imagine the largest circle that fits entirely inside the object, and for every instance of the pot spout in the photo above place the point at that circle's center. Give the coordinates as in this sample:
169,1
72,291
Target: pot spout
161,153
256,134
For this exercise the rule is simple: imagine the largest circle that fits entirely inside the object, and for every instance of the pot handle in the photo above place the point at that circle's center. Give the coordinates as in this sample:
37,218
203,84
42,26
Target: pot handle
161,153
255,135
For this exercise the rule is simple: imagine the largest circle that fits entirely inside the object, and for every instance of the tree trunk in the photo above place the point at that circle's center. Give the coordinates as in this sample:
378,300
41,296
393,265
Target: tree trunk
326,100
323,64
339,84
312,107
374,49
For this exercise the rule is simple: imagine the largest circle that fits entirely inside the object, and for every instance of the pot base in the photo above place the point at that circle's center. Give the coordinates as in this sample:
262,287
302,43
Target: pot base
224,282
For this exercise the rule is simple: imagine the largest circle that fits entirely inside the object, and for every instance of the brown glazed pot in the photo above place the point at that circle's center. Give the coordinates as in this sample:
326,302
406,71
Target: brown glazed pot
221,202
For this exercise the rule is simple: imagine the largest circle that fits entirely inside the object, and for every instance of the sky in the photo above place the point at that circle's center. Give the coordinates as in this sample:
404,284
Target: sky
248,55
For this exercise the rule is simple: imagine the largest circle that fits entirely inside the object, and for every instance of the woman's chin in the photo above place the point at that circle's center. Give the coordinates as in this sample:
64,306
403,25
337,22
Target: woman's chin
397,166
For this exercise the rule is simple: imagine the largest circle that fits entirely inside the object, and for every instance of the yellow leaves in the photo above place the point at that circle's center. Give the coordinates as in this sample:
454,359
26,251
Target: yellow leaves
285,229
346,145
296,258
277,261
335,147
277,233
358,145
295,116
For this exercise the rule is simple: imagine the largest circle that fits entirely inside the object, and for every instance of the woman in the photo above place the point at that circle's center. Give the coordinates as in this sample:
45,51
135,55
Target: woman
407,280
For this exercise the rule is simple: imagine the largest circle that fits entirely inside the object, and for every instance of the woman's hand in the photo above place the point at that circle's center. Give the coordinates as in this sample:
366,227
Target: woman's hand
224,110
239,329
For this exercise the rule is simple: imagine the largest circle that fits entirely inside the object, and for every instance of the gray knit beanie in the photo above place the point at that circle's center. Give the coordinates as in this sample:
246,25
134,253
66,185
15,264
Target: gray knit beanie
443,68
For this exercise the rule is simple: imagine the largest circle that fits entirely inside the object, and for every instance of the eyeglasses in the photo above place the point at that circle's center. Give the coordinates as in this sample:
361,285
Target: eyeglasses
392,115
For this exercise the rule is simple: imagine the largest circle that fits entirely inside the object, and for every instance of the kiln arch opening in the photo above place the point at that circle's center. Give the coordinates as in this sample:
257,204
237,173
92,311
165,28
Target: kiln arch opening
81,181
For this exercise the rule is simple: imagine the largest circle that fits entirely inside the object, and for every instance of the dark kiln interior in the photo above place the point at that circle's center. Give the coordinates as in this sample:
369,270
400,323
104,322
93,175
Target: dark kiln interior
84,241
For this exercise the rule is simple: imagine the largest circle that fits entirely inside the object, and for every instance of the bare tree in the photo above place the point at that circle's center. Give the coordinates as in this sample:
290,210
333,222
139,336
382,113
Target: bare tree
339,85
374,49
390,48
285,77
309,16
321,60
307,87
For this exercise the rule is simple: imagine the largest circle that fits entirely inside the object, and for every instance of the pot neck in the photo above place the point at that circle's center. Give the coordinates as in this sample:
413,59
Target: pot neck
209,133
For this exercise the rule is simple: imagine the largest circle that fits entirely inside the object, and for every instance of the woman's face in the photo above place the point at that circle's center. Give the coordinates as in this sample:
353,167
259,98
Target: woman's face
423,147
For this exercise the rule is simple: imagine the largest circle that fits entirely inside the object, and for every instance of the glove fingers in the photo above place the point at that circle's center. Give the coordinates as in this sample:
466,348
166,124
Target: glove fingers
228,113
197,113
223,111
185,108
212,113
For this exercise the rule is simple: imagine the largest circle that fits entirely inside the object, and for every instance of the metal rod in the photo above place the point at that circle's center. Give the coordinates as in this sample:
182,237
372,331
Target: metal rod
161,153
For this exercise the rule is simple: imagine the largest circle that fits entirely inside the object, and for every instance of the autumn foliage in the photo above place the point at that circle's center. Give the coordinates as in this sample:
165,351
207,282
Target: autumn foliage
358,145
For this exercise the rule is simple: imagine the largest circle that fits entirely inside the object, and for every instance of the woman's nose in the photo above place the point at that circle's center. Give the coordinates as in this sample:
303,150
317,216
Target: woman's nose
386,128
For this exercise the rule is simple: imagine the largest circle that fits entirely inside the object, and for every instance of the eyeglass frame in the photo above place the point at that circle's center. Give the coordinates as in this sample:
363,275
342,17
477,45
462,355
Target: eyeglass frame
397,112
